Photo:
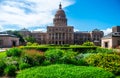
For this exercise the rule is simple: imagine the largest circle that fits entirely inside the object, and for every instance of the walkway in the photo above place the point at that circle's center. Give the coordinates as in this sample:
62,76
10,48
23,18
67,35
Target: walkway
3,49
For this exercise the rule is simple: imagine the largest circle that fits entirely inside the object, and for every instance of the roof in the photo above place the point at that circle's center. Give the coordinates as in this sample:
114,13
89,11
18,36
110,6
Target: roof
82,32
7,35
113,34
116,34
108,35
96,30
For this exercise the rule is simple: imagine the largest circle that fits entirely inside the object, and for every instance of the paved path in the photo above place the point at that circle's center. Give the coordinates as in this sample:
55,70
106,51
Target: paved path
3,49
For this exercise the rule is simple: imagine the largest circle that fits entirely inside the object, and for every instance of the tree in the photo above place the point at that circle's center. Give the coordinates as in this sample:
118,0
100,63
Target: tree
30,39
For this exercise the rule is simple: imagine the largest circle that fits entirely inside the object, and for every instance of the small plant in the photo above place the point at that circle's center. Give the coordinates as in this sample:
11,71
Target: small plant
14,52
10,70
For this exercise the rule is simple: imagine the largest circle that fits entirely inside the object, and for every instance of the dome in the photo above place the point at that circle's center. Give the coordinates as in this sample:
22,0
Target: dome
60,17
60,12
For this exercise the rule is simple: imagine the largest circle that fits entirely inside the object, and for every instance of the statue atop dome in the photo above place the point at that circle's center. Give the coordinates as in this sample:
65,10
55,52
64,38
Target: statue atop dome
60,6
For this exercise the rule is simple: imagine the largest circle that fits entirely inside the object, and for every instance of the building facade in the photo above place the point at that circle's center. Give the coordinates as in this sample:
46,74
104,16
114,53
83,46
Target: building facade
7,40
112,40
94,36
60,33
40,37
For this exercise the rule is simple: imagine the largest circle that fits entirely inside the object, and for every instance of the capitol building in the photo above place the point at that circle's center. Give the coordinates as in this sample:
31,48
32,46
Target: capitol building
61,33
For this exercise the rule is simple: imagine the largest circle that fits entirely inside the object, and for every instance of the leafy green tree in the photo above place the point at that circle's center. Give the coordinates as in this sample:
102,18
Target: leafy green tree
30,39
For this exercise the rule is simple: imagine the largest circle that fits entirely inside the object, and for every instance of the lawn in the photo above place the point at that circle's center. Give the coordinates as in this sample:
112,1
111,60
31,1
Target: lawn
2,54
64,71
117,76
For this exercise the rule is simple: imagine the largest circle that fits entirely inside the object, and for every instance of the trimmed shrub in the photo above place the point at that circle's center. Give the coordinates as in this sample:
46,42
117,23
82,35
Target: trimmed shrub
32,44
35,44
110,62
29,44
68,57
10,70
14,52
2,67
23,66
64,71
54,55
88,44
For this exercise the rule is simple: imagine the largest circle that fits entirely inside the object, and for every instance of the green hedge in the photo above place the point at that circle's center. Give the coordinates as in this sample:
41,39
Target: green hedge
64,71
81,49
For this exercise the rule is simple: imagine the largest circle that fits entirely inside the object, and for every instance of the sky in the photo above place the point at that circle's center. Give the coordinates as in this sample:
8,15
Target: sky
36,15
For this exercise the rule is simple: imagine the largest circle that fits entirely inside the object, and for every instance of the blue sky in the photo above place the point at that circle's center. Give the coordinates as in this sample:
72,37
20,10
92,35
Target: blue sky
90,14
84,15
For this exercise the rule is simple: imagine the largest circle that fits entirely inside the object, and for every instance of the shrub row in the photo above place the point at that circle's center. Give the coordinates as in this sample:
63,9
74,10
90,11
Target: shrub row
80,49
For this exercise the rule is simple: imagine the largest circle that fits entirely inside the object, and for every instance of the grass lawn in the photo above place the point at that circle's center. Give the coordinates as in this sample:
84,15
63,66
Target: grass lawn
2,54
117,76
64,71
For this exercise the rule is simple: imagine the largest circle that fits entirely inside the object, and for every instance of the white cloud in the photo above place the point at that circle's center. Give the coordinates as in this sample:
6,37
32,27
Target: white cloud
41,29
75,30
1,28
107,31
29,13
